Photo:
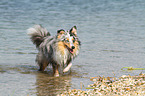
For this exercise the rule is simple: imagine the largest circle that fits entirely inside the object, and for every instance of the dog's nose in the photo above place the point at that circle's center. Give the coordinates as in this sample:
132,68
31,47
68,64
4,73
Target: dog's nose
73,47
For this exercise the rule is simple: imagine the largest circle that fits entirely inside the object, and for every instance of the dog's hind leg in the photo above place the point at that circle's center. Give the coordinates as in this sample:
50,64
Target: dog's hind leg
55,70
43,66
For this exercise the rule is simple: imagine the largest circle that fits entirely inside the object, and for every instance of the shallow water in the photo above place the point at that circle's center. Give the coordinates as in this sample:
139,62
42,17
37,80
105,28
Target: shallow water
111,32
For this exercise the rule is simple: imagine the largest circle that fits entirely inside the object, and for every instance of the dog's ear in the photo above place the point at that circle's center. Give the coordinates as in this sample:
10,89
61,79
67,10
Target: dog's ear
60,32
73,31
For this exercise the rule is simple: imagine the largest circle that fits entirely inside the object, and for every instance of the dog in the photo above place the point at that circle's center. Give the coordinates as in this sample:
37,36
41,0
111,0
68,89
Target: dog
57,50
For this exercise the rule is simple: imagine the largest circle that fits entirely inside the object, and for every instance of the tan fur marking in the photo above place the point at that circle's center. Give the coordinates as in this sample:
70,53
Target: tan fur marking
67,43
61,32
59,36
55,71
61,47
74,31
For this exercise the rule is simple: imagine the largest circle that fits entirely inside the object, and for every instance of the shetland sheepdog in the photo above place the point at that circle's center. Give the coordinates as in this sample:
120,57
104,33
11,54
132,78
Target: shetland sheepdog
57,50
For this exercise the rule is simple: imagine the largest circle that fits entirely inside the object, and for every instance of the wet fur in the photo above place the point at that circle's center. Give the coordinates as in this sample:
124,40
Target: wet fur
55,50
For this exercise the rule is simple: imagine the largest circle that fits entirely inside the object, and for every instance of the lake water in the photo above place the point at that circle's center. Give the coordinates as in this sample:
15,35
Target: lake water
112,33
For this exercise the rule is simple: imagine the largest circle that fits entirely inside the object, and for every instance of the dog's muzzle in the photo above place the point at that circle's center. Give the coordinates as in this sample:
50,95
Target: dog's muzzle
73,47
70,49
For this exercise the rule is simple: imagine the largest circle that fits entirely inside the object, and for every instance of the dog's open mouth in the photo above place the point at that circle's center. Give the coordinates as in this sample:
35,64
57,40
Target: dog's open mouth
70,50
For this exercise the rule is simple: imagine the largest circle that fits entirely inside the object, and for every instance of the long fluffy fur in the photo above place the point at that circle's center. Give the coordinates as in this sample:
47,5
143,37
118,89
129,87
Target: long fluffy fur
38,33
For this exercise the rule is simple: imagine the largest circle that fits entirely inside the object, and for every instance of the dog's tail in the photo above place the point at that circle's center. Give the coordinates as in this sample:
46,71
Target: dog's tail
38,34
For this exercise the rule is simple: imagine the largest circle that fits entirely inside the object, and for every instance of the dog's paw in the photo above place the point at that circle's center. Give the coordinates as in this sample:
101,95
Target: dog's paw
56,75
67,68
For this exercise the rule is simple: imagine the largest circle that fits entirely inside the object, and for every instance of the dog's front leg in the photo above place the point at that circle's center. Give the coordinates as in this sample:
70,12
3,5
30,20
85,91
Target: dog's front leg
55,70
67,67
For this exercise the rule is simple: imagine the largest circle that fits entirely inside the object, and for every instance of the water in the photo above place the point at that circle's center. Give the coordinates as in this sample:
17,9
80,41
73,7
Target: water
111,31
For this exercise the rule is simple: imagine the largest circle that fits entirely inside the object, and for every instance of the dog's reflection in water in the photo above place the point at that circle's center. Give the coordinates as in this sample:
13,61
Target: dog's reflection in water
47,85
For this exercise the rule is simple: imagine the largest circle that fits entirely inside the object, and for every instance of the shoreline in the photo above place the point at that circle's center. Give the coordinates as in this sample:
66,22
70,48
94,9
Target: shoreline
124,85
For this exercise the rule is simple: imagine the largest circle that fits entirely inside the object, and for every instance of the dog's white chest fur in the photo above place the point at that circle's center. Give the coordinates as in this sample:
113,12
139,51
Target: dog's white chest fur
61,58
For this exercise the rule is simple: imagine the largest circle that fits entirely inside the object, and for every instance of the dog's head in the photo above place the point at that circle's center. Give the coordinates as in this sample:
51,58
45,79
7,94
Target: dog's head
68,38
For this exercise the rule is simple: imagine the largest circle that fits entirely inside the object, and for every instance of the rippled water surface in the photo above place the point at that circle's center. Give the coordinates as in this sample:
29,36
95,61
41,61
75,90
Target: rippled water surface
112,33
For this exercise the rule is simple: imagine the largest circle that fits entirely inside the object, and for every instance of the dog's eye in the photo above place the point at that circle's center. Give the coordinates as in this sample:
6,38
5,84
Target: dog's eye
67,40
73,41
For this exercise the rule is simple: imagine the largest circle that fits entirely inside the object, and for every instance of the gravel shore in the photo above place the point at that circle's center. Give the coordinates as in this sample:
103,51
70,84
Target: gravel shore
110,86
